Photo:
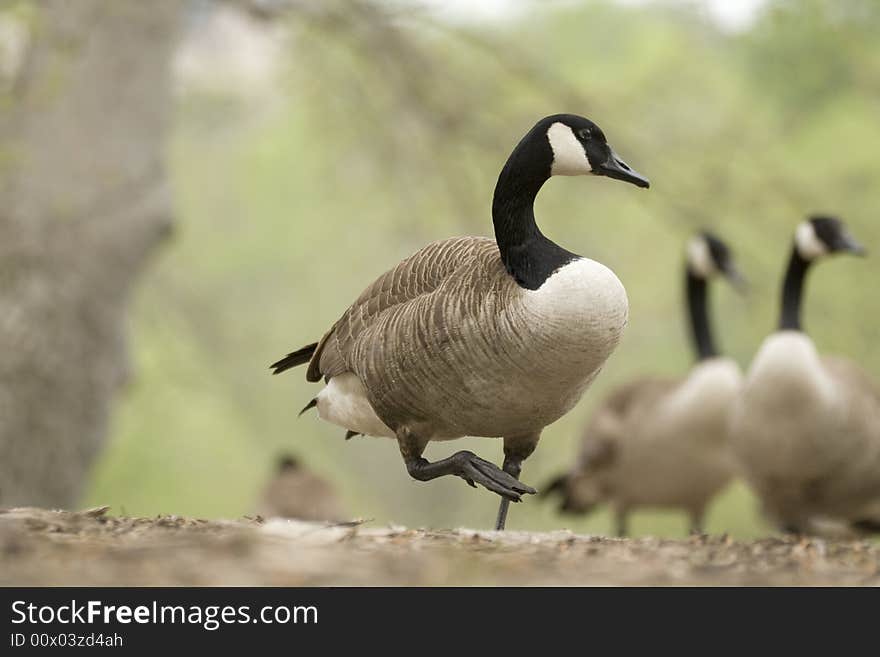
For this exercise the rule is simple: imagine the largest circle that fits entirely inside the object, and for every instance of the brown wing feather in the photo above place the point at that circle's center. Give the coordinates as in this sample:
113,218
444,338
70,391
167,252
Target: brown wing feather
619,411
420,274
851,375
857,485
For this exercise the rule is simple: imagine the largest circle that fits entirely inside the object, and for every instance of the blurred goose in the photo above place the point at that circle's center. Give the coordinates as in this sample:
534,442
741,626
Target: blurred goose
296,492
806,428
473,336
662,442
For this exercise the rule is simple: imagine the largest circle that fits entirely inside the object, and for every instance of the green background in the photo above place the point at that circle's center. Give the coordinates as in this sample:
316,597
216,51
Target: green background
289,204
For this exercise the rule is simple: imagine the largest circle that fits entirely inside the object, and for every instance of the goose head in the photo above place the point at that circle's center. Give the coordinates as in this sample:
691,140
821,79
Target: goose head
287,463
822,235
569,145
579,147
709,256
557,145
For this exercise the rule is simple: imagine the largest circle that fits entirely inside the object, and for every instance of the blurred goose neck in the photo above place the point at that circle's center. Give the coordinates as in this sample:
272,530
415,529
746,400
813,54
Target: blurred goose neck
701,329
792,292
529,256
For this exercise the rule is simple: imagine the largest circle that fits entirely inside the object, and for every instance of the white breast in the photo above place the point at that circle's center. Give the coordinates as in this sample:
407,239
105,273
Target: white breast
583,302
565,332
786,393
685,441
783,418
706,397
674,452
787,370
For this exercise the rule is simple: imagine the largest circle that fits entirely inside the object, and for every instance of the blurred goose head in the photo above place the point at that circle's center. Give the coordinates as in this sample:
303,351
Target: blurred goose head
823,235
814,238
709,256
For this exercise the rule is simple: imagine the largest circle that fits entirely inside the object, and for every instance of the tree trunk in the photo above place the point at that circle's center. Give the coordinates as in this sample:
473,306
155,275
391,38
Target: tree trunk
83,202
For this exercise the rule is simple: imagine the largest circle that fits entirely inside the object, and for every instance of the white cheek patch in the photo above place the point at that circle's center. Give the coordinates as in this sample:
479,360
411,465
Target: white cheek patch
808,244
569,157
700,257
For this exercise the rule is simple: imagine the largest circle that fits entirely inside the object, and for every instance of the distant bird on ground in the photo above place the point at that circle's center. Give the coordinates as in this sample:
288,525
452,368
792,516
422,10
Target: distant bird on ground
472,336
663,442
296,492
806,428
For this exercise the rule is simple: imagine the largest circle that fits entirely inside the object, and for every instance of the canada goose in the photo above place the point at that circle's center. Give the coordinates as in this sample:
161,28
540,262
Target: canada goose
662,442
806,428
472,336
296,492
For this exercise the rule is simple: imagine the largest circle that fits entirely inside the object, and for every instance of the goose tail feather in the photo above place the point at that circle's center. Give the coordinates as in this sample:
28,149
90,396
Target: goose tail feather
294,358
311,404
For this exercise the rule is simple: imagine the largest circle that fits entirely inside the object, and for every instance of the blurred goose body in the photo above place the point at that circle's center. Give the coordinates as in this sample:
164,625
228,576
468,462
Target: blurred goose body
296,492
473,336
663,442
807,427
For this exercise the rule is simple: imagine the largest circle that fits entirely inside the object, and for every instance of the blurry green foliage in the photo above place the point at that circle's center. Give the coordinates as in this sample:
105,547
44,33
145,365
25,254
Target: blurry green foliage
289,208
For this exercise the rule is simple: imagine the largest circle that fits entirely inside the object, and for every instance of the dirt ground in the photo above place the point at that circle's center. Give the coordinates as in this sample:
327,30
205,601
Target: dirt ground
39,547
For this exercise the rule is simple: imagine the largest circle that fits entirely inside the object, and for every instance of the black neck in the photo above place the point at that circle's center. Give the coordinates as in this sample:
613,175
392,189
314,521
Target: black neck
792,292
529,256
701,330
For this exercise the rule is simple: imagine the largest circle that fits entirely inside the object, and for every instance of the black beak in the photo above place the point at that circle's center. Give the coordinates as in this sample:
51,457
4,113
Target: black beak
848,244
736,278
616,168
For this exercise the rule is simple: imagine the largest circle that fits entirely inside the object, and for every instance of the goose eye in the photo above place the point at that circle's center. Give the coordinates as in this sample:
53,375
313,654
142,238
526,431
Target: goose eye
584,133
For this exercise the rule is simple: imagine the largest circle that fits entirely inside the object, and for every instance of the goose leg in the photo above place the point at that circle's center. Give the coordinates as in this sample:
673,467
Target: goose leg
697,521
516,450
464,464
